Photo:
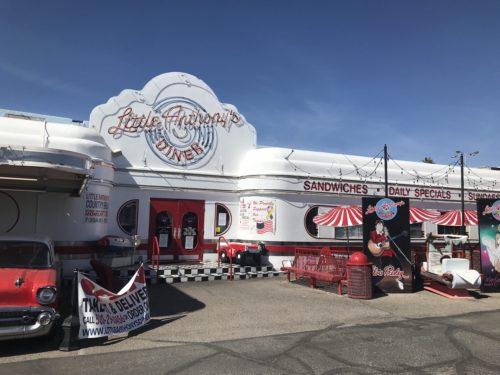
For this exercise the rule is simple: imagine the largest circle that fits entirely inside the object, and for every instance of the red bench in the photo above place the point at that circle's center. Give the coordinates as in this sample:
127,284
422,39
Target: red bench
332,268
324,265
301,264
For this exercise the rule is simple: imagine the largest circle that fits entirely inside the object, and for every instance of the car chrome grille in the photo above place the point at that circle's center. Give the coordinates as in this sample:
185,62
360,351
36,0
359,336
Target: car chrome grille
18,317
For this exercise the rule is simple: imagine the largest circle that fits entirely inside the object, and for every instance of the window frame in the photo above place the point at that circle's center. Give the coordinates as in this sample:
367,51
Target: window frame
136,219
216,214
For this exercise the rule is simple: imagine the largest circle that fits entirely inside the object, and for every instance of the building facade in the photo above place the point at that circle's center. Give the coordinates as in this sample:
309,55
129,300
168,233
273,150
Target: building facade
172,162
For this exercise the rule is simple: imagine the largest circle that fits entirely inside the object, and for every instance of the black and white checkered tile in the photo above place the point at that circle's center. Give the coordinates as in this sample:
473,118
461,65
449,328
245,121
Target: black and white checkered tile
203,272
126,273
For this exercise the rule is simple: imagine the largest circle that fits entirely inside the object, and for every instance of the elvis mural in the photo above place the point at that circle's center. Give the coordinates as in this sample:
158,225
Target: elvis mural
386,242
488,214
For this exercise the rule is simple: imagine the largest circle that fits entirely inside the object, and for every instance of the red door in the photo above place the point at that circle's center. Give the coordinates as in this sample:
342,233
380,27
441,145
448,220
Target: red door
178,226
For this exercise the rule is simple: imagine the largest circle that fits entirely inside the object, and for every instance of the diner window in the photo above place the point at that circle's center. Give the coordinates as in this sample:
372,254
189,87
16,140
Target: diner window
448,229
318,231
222,219
417,230
127,217
355,231
311,227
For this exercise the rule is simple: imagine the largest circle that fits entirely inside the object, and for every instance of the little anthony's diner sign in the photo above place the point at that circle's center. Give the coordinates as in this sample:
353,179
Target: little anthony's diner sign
178,130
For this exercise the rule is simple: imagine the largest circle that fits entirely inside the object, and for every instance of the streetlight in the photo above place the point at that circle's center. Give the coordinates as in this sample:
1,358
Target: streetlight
462,193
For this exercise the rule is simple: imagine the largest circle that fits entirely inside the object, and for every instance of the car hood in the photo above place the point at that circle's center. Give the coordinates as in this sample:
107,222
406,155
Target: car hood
25,294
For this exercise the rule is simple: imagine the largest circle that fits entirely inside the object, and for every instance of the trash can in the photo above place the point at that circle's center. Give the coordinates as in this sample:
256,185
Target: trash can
359,276
116,251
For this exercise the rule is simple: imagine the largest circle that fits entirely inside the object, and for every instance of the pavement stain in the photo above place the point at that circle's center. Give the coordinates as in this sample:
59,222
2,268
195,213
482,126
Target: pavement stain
479,346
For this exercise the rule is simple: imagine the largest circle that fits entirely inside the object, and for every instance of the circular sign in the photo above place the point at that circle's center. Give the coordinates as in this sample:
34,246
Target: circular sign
188,137
386,209
496,210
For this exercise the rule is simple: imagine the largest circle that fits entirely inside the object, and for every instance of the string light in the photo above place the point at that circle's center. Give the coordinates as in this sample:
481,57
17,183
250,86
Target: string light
439,178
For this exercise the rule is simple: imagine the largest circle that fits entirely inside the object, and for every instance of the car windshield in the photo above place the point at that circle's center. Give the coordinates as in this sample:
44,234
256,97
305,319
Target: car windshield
21,254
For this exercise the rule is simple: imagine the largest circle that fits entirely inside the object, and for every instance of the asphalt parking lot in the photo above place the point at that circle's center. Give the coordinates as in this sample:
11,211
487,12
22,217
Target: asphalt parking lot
272,326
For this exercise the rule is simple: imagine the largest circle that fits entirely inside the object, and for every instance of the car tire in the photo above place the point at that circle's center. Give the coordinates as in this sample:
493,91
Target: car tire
239,258
223,257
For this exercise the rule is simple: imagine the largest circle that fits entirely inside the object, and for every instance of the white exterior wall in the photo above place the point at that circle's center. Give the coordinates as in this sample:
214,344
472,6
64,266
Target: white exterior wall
27,214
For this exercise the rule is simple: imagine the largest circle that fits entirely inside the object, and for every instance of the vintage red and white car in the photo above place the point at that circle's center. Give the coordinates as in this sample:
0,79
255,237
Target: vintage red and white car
30,280
242,252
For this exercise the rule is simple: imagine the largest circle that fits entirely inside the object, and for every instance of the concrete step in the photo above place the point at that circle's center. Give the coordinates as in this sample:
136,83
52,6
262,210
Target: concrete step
175,273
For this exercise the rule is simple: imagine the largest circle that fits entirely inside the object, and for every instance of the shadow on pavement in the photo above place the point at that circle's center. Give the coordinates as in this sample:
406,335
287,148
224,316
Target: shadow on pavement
332,288
168,300
167,304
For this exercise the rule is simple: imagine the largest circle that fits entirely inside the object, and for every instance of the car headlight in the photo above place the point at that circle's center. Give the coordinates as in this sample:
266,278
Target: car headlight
46,295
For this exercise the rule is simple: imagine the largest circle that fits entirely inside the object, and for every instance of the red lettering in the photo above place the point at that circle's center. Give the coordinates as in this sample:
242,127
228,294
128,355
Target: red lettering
176,154
118,129
161,145
188,154
197,148
235,118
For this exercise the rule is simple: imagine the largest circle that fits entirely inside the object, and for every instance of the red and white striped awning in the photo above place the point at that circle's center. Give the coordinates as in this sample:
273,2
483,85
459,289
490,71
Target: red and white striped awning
419,215
454,218
341,216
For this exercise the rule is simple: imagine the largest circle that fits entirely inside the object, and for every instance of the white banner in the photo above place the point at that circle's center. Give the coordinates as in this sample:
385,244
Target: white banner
103,313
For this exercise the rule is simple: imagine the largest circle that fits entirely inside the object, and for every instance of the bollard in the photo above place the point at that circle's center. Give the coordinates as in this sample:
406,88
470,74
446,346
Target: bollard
71,325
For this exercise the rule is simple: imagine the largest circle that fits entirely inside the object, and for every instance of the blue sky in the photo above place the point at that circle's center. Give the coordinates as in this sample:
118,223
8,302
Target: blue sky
335,76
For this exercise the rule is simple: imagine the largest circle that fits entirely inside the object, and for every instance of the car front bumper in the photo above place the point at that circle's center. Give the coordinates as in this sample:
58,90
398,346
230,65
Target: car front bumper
25,322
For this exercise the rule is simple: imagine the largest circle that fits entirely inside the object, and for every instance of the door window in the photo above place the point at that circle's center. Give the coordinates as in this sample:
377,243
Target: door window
164,229
189,230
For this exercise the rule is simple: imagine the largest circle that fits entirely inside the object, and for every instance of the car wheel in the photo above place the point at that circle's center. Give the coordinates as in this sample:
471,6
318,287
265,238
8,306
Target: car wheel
223,257
239,258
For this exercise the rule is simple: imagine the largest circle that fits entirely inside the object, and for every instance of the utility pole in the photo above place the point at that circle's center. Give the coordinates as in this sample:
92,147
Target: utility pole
462,191
462,188
385,172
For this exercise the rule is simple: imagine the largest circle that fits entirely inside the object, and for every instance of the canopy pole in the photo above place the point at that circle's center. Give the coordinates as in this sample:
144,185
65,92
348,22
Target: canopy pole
347,228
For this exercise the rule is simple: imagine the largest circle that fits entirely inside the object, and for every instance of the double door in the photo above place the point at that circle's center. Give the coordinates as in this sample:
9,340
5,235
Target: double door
178,227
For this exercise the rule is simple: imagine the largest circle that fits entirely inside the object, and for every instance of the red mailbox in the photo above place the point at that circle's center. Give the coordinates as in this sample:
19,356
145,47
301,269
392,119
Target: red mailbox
359,276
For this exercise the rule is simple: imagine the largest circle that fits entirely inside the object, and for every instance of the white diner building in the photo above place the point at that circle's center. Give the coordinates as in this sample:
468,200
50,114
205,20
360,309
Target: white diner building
171,161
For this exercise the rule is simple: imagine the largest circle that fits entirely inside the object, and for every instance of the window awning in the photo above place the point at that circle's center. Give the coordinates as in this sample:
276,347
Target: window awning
43,170
454,218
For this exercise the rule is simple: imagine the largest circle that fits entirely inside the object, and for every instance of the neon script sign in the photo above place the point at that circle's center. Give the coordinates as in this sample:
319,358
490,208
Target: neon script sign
494,210
178,130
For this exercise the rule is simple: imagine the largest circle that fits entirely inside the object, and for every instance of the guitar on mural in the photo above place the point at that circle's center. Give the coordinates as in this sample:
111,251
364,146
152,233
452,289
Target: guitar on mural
380,240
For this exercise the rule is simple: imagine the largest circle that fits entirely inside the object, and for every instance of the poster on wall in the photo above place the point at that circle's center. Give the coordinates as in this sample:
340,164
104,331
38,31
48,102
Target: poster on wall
488,214
245,213
258,216
386,242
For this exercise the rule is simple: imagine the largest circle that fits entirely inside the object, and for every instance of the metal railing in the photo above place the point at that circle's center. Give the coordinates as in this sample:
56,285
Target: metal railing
155,255
230,248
